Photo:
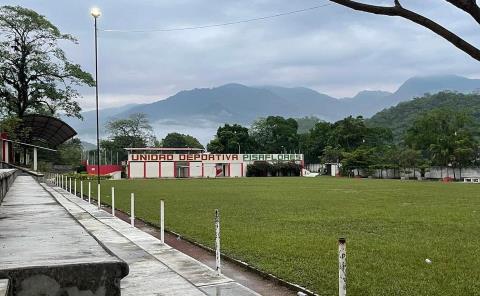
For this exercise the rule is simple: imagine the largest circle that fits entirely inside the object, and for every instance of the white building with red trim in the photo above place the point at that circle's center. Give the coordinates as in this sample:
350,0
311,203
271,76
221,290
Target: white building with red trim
194,163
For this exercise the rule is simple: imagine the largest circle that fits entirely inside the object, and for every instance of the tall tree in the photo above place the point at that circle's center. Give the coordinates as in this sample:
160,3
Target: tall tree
444,136
132,132
397,9
275,134
177,140
35,75
232,139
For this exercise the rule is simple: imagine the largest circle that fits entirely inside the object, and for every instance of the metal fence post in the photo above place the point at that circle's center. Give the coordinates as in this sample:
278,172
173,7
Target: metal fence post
75,186
70,184
89,192
217,243
132,209
342,267
81,189
162,221
98,196
113,201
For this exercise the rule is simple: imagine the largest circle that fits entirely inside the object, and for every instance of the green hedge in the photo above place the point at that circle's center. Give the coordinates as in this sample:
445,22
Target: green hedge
266,169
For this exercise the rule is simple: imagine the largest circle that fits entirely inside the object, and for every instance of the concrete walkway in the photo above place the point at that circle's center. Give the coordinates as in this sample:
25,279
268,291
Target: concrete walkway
155,268
44,251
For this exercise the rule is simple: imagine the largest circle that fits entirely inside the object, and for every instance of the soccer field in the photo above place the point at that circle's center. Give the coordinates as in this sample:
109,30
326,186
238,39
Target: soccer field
290,226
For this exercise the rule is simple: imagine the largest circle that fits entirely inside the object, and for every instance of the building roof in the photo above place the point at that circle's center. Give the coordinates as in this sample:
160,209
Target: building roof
164,149
47,129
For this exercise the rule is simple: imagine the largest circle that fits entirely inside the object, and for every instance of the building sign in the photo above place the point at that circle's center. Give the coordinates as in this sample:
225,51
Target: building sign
272,157
216,158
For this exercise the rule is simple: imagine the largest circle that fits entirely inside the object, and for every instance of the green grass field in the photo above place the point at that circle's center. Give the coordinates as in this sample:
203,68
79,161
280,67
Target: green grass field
290,227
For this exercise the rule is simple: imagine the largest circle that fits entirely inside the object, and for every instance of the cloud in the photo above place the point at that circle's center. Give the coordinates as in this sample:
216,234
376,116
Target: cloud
334,50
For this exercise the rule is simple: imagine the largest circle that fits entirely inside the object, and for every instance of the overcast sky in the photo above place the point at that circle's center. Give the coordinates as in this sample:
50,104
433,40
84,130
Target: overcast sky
333,50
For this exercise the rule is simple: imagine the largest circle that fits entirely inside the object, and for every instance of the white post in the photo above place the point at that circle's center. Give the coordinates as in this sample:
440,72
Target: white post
89,192
75,187
342,267
98,196
162,221
81,189
35,163
113,201
132,209
217,243
70,186
61,183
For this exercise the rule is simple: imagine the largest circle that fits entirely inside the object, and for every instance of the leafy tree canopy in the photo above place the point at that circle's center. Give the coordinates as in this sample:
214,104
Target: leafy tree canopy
177,140
232,139
35,74
132,132
275,134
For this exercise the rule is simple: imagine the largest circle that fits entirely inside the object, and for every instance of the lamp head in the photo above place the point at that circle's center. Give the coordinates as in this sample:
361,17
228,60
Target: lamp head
95,12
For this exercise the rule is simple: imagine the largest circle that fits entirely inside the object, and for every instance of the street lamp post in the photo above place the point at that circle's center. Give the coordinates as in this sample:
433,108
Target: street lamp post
95,12
238,147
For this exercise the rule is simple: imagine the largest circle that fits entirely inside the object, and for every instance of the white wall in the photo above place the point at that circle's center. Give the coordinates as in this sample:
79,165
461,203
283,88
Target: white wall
235,170
195,169
136,169
152,169
167,170
210,170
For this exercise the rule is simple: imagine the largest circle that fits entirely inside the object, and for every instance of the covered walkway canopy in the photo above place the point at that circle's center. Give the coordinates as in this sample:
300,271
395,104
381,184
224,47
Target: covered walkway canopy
46,129
39,132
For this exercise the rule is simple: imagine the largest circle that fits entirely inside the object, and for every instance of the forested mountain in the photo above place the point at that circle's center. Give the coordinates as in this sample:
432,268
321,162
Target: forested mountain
207,108
400,117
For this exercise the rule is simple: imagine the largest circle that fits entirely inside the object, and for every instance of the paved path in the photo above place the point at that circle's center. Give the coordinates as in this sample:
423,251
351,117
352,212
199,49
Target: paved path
41,243
155,268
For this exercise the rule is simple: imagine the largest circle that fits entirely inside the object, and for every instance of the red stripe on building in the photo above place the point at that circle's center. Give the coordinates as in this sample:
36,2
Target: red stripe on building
203,170
174,169
188,169
144,169
128,168
229,170
159,169
241,169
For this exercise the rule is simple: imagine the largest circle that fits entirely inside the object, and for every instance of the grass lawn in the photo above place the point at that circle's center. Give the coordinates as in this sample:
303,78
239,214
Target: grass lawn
290,227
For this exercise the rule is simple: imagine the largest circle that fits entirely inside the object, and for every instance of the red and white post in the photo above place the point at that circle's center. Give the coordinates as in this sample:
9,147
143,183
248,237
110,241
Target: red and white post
342,267
217,243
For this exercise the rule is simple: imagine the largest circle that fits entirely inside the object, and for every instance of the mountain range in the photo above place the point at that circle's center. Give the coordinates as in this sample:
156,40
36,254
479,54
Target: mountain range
204,109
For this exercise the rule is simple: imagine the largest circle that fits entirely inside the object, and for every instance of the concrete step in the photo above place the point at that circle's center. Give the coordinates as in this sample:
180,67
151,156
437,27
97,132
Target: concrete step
155,268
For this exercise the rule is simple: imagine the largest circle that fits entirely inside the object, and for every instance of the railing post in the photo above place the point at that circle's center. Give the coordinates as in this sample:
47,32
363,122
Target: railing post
98,196
217,243
81,189
75,186
89,192
132,209
162,221
70,184
113,201
342,267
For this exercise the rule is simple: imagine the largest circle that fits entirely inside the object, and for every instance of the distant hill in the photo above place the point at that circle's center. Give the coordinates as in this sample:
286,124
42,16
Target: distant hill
401,117
88,146
200,109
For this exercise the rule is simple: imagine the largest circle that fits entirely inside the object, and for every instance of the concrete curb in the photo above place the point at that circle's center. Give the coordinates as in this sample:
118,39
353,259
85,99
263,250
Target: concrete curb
265,275
292,286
